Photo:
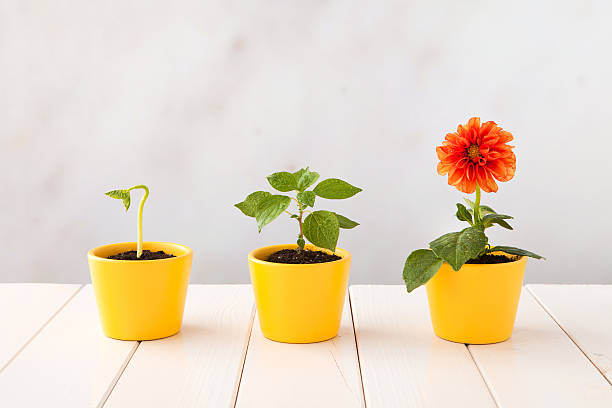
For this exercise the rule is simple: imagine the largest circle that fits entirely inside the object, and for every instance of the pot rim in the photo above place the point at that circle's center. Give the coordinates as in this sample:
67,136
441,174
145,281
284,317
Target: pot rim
343,253
521,258
91,256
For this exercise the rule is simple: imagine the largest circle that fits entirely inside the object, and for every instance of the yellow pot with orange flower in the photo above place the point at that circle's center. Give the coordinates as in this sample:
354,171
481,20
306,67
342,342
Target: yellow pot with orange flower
473,287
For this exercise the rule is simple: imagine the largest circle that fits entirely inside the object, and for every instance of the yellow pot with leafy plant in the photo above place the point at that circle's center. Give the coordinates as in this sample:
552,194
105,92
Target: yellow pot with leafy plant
140,287
473,287
300,289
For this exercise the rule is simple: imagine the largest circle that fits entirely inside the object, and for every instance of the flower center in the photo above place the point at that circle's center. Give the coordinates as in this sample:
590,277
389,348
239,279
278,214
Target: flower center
473,151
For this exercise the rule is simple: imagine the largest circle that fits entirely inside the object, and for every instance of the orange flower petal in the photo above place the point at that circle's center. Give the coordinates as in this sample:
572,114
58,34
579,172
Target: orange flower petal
486,181
494,159
487,127
455,175
470,172
474,123
443,168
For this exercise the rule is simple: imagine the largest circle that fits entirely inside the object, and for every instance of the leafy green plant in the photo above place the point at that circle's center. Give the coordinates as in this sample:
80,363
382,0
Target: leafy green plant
124,195
321,228
472,157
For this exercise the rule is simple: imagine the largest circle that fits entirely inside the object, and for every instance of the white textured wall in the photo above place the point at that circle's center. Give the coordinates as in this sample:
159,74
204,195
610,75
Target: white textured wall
201,100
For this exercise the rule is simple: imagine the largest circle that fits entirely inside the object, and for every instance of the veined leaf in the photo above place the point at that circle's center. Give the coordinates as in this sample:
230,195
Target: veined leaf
515,251
335,189
457,247
490,219
283,181
322,229
421,265
123,195
301,242
307,197
484,209
504,224
270,208
463,214
345,223
305,178
249,205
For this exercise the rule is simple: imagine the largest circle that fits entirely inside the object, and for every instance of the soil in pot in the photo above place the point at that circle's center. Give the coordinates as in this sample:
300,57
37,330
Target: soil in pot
145,256
292,256
492,259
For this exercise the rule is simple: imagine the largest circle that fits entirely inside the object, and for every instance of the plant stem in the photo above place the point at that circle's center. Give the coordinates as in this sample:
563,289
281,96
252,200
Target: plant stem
477,206
301,236
140,208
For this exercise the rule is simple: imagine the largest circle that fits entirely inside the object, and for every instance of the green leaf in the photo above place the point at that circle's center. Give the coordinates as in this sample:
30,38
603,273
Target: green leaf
515,251
463,214
322,229
484,209
490,219
458,247
494,217
121,195
345,222
305,178
301,242
270,208
503,223
421,265
283,181
249,205
335,189
307,197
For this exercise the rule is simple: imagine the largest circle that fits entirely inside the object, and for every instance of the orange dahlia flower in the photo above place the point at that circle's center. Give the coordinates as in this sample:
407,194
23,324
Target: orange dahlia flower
477,154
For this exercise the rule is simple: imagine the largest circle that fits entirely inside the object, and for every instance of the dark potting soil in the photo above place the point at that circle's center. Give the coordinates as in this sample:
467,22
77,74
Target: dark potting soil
292,256
145,256
492,259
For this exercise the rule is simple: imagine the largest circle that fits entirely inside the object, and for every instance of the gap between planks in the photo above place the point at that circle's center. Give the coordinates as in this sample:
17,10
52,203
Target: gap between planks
484,379
41,328
244,354
356,348
113,383
543,306
331,358
131,379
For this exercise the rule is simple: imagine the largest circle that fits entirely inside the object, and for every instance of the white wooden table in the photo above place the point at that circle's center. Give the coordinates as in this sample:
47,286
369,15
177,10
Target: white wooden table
53,354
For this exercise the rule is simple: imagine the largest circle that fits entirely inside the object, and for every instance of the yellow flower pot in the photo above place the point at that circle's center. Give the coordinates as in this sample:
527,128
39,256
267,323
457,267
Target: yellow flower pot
299,303
477,304
140,300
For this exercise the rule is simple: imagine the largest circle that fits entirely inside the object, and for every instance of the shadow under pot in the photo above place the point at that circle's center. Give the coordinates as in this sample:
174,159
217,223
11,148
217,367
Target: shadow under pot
140,300
299,303
478,303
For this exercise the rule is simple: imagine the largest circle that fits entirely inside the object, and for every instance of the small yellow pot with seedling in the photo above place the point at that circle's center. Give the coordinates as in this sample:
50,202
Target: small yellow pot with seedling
473,287
300,289
140,287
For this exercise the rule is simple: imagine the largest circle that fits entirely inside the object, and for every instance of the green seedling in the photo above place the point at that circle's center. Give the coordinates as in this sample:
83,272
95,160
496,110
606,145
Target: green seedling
321,228
125,196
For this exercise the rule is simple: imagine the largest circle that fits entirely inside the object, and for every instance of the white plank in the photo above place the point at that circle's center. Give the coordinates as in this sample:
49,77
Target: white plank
200,366
539,366
69,364
584,312
324,374
24,309
403,363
